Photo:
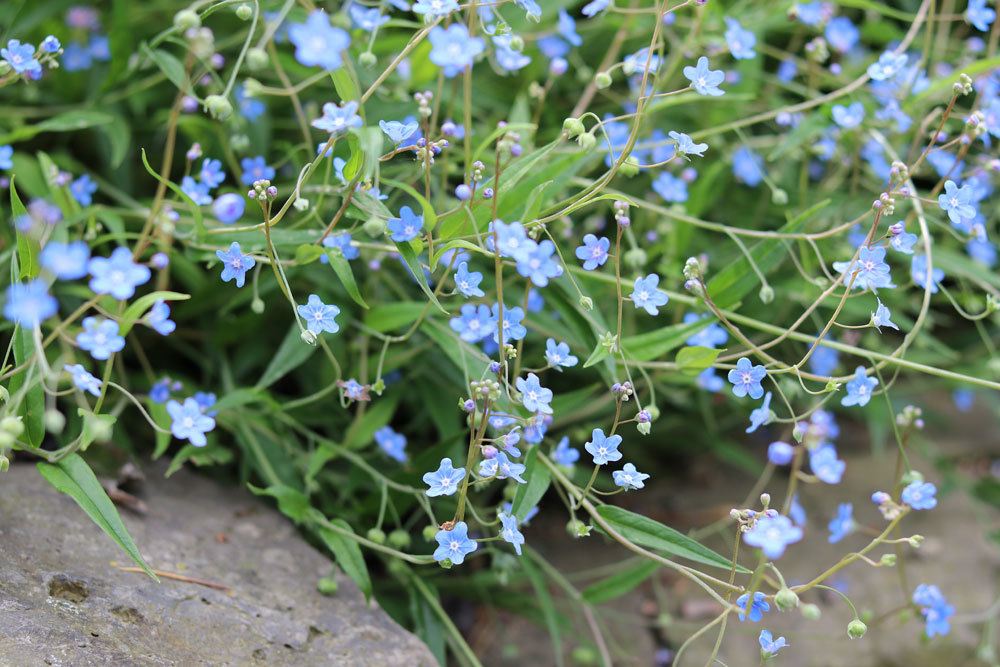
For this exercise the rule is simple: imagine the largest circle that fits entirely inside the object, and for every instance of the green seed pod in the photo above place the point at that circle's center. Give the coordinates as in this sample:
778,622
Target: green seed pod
856,629
810,612
376,535
399,539
603,80
257,59
186,19
244,12
218,107
786,599
327,586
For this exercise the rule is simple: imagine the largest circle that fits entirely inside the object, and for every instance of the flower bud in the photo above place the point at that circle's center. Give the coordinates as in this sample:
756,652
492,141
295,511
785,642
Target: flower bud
779,197
301,204
399,539
766,294
4,463
915,541
376,535
256,59
602,80
12,425
186,19
856,629
573,127
786,599
578,528
810,612
257,306
308,337
244,12
586,303
644,427
54,421
326,586
429,532
888,560
218,107
374,227
630,167
587,141
367,59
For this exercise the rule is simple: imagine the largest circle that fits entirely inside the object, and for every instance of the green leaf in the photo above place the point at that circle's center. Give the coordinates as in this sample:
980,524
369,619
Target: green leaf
693,360
653,534
343,270
457,243
27,247
345,85
158,411
291,502
74,477
362,430
293,353
655,344
410,257
68,121
538,478
620,583
141,306
348,554
597,356
395,315
307,253
32,408
430,217
171,67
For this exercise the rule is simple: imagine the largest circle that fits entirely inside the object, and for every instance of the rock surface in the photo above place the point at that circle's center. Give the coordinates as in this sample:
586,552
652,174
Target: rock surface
62,602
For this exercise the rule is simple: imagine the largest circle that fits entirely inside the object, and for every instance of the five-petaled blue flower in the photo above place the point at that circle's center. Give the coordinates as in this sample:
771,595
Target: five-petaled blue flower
443,481
229,207
705,81
848,117
843,524
434,8
870,271
770,646
593,252
888,66
512,327
83,380
859,389
629,478
920,495
235,264
534,397
934,608
338,119
880,318
558,356
772,534
392,443
454,545
760,416
83,190
317,43
406,227
825,464
396,131
957,203
255,169
509,531
467,282
21,58
117,275
980,15
565,455
918,272
29,304
100,338
158,318
686,146
341,241
211,173
647,295
540,263
318,316
603,448
746,378
189,421
475,323
452,49
740,40
757,608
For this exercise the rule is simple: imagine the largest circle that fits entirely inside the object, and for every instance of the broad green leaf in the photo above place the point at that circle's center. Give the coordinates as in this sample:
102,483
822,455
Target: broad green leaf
27,247
538,478
348,554
599,354
292,353
655,344
343,270
141,306
307,253
32,408
457,243
291,502
74,477
158,411
171,67
653,534
68,121
410,257
366,149
693,360
345,85
394,315
620,583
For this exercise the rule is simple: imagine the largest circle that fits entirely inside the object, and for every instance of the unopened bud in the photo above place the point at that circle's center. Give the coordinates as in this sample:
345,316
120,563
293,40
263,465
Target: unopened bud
856,629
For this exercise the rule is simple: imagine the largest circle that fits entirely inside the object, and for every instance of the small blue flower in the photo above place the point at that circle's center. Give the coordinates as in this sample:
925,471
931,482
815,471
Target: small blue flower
593,252
249,107
354,390
6,155
452,49
934,608
859,389
770,646
825,464
396,131
824,360
318,316
317,43
780,453
83,190
228,208
512,327
158,318
338,119
957,203
565,455
50,44
367,18
160,391
870,271
920,495
100,338
454,544
902,241
746,379
117,275
392,443
880,318
540,264
474,324
757,608
647,295
760,416
705,81
772,535
255,169
740,40
434,8
848,117
843,524
686,146
670,187
83,380
235,264
467,282
211,173
918,272
629,478
636,62
887,67
567,28
21,58
189,422
748,167
502,467
711,336
509,531
963,399
980,15
558,356
603,448
594,7
198,192
797,512
66,261
511,239
534,397
443,481
841,34
341,241
406,227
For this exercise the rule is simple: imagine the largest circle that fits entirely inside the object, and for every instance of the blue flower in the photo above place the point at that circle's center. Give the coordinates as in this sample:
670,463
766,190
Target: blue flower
21,58
957,203
338,119
797,512
859,390
843,524
229,208
841,34
367,18
709,381
629,478
647,295
6,155
534,397
740,40
748,167
770,646
920,495
593,252
510,440
870,271
83,380
76,57
963,399
511,239
746,378
558,356
100,338
158,318
918,272
980,15
825,464
66,261
160,391
686,145
670,187
772,535
434,8
902,241
934,608
812,13
757,608
318,316
508,58
760,416
603,448
502,467
317,43
705,81
848,117
880,318
887,67
636,62
235,264
407,226
255,169
454,544
539,265
594,7
211,173
396,131
509,531
392,443
189,422
453,49
50,44
512,327
711,336
780,453
565,455
824,360
341,241
249,107
467,282
198,192
354,390
567,28
83,190
443,481
117,275
474,324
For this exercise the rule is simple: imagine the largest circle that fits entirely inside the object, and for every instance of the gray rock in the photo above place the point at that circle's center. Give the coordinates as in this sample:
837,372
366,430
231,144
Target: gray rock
63,602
